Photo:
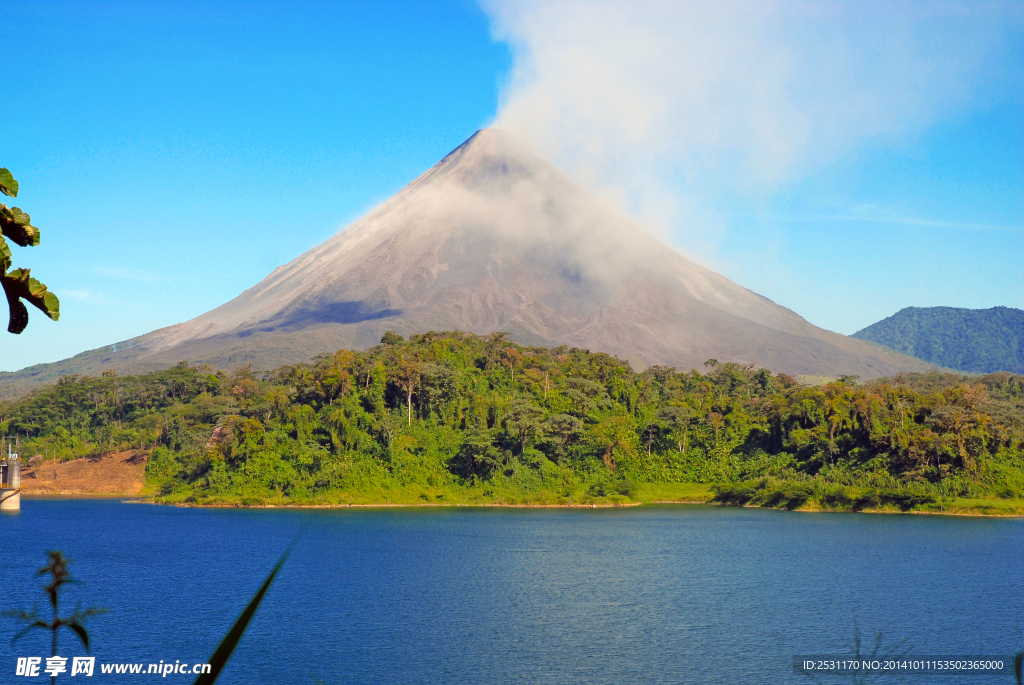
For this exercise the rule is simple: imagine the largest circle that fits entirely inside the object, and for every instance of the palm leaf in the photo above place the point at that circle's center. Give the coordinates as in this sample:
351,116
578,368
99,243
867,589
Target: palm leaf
227,645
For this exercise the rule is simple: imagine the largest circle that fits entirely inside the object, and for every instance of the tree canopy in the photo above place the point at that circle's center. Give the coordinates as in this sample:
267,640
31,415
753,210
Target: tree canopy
446,414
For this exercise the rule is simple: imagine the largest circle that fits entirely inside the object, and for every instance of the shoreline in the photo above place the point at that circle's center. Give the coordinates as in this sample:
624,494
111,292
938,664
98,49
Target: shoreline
134,499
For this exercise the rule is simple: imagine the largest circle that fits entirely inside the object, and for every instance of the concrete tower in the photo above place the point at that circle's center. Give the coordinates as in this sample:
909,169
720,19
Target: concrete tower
10,482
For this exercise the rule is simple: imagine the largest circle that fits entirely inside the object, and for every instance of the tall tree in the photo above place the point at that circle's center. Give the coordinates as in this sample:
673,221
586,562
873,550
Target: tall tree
407,377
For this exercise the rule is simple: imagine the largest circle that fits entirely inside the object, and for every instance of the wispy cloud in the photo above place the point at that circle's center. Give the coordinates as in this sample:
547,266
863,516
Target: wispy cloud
895,220
86,296
128,273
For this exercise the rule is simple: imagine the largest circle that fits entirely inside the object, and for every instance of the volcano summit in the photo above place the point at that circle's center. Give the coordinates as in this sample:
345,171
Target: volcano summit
494,238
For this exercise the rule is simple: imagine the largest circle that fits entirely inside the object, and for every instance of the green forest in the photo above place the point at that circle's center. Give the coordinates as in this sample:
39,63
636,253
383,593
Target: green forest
456,418
972,340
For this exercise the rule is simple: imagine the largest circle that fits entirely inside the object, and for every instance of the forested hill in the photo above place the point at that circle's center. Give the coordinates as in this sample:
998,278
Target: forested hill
458,417
974,340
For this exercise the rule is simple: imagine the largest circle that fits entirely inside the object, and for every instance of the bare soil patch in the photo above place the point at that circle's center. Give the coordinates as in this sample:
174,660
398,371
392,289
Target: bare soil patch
119,473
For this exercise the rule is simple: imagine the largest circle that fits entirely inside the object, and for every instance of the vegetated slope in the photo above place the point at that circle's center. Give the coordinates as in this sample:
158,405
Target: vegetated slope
494,238
453,416
975,340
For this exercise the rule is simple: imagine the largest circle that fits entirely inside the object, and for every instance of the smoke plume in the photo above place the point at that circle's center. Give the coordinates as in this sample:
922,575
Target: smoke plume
672,108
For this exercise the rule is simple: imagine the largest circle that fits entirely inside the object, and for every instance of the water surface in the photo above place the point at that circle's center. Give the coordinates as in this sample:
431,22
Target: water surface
655,594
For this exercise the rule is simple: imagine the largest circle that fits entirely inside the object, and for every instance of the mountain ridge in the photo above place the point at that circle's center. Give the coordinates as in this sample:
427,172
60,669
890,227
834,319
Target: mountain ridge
491,238
973,340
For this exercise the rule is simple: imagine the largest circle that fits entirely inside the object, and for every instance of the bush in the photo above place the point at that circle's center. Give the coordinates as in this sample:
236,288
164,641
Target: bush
835,499
904,501
787,498
622,487
734,495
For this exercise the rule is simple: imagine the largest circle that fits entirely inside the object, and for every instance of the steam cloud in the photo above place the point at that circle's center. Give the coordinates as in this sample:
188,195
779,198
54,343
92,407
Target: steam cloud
670,108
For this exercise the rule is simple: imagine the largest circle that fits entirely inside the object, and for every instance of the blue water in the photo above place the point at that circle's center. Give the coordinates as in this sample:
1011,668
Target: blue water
656,594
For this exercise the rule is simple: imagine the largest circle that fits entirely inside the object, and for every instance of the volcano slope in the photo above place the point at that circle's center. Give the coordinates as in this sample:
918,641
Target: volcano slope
495,238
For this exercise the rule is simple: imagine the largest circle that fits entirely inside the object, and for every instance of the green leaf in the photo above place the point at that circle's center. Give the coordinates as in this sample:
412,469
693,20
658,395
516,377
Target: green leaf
51,305
20,216
231,640
36,288
5,256
16,225
8,186
19,285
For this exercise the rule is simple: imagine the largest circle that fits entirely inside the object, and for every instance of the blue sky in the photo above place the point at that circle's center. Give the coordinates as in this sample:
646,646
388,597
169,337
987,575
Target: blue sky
174,154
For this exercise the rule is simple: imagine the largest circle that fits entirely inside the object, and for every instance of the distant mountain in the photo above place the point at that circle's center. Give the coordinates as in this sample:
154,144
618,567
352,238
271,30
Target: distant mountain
976,340
495,238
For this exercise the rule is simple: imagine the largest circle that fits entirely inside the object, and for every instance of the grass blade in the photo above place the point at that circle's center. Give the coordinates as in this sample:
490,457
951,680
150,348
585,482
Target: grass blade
227,645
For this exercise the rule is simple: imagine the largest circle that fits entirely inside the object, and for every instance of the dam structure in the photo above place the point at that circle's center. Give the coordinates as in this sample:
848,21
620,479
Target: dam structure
10,482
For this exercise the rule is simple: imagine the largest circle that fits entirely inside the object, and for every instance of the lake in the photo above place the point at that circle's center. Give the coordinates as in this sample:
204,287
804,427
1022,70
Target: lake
653,594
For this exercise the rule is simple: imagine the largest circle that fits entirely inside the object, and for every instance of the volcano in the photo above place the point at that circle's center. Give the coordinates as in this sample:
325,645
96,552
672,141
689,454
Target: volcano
495,238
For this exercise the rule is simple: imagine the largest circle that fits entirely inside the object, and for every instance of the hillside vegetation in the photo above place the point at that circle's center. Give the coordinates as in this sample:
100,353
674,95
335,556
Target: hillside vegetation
974,340
458,418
